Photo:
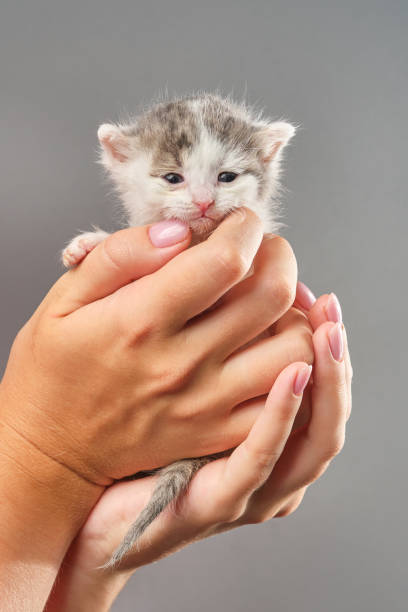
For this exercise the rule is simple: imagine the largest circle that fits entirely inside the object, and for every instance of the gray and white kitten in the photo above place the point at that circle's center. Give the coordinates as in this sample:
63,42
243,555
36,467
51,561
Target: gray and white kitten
195,159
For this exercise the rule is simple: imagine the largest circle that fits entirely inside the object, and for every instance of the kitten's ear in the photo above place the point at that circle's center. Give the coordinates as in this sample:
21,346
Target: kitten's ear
115,145
275,137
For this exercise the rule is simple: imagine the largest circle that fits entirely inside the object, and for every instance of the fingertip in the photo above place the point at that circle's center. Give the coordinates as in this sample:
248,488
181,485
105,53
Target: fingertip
333,309
248,214
294,378
304,296
326,308
132,249
168,233
301,379
242,224
329,341
318,314
320,335
336,341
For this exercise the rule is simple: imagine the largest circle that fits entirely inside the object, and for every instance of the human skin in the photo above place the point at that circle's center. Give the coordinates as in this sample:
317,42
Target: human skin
121,369
265,477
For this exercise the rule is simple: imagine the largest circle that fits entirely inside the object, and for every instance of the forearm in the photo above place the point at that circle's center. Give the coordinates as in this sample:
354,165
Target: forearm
43,506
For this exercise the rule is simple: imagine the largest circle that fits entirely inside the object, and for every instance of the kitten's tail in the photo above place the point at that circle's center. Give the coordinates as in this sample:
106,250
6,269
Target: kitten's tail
173,480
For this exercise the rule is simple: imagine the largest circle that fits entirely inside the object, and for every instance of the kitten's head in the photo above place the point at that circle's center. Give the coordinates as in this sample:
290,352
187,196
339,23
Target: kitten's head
195,159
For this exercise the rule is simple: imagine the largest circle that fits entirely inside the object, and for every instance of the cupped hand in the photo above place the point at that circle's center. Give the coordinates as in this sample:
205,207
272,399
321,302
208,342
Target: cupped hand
266,476
124,367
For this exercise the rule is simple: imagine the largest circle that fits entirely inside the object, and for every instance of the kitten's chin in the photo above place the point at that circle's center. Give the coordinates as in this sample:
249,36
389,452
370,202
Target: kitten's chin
203,226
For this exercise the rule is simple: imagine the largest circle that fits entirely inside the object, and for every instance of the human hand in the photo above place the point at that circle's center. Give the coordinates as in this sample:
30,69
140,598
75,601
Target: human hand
123,369
265,477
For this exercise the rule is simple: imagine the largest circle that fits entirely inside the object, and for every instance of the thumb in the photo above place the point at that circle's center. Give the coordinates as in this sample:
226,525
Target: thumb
120,259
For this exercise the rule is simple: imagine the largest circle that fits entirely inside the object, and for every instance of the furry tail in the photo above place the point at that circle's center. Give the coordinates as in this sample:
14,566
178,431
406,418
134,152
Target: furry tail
173,480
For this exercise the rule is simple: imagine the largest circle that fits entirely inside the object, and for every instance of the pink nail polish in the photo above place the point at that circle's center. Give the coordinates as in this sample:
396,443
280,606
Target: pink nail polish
304,296
167,233
333,309
336,342
301,380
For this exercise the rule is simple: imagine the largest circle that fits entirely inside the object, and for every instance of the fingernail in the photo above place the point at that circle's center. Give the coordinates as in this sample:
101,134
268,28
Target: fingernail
304,296
301,380
336,342
333,309
167,233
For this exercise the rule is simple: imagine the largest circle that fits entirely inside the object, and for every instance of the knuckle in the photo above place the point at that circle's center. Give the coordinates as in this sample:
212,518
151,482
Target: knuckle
283,513
283,291
338,444
336,383
284,248
307,348
301,344
263,461
333,448
316,472
288,510
235,513
231,262
257,518
339,385
227,511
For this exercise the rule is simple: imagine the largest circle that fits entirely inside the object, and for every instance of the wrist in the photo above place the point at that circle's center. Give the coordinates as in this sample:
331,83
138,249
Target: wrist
79,589
40,489
79,593
44,504
37,410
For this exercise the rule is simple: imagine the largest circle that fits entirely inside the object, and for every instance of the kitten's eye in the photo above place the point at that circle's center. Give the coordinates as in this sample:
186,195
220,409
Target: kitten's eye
173,178
227,177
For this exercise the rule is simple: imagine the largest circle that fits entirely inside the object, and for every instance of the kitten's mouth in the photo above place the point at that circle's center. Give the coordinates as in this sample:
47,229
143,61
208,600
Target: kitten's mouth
204,224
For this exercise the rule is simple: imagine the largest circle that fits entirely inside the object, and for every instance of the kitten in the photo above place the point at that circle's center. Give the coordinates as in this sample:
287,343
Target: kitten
195,159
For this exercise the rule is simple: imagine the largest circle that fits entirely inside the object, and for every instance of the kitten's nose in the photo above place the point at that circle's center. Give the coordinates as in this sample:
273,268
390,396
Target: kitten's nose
204,205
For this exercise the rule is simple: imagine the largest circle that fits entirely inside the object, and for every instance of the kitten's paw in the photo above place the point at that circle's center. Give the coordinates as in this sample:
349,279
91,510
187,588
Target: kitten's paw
80,246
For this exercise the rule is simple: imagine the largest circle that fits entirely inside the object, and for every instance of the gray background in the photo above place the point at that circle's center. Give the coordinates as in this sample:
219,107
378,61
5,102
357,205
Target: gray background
338,69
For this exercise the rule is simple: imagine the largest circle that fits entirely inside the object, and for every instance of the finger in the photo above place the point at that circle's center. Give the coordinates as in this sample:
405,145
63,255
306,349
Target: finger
252,371
123,257
349,374
235,426
326,308
305,410
251,306
329,391
252,461
311,449
304,297
290,504
255,513
199,277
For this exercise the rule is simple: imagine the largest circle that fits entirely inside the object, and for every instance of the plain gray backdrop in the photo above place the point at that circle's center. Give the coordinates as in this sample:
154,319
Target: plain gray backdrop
339,70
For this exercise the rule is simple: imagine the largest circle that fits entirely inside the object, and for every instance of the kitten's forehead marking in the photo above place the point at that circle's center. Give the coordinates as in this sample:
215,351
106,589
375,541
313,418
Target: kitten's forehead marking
167,130
173,130
229,123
